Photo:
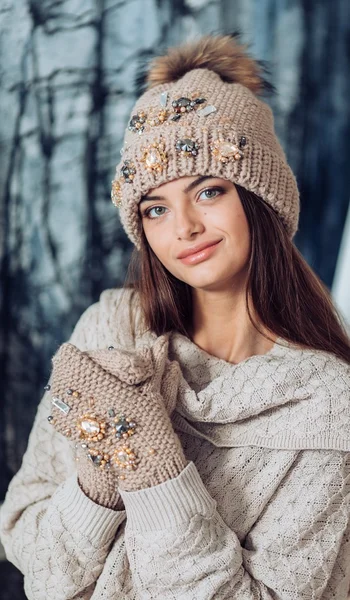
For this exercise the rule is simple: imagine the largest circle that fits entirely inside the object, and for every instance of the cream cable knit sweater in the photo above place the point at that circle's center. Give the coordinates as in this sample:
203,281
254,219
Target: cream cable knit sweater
262,511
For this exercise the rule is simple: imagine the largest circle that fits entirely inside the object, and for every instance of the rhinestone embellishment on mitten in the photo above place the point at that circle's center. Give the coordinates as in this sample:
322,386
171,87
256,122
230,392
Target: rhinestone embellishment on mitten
125,458
124,427
91,428
62,406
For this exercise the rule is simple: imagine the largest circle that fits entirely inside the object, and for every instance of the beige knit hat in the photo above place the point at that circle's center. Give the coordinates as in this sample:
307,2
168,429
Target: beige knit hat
201,115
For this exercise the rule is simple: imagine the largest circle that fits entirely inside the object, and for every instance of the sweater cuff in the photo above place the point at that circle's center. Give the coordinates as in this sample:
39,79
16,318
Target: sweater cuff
81,514
170,504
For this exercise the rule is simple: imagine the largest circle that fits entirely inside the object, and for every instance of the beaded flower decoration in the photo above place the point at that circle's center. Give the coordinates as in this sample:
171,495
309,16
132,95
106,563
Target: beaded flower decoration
154,158
93,429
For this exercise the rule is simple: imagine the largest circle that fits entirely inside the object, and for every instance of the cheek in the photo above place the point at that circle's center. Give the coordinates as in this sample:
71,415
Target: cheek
158,241
232,220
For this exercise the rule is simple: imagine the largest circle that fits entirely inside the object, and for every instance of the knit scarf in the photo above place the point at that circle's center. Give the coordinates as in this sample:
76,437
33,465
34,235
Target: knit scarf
288,398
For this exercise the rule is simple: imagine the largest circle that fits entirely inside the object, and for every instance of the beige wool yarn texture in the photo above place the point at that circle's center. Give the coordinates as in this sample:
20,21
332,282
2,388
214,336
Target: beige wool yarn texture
115,406
202,116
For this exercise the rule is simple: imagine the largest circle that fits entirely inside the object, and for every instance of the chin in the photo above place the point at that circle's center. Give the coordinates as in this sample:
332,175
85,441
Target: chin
203,277
207,281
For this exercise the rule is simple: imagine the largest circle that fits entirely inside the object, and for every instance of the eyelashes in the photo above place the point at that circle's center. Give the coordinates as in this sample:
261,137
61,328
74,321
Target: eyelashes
210,190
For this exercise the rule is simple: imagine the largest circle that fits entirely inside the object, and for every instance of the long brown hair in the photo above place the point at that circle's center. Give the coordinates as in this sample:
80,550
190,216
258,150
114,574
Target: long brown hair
289,299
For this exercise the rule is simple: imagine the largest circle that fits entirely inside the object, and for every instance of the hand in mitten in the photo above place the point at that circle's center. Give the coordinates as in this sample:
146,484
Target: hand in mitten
114,405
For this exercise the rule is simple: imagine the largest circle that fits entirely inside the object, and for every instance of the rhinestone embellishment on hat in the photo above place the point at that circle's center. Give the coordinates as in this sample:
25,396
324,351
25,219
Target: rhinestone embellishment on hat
127,172
154,157
226,151
185,105
158,118
136,123
116,193
187,147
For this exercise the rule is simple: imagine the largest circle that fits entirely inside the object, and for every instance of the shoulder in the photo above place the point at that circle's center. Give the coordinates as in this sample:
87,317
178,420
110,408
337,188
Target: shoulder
115,319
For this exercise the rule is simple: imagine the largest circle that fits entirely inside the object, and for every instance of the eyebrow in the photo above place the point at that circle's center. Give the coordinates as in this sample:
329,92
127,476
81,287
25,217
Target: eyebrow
187,189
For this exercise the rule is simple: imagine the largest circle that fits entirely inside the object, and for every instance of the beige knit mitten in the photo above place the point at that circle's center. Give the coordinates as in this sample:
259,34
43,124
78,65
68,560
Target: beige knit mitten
115,406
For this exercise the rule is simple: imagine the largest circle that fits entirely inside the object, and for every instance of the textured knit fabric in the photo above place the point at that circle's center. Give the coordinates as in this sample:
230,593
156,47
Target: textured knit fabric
151,156
117,414
262,510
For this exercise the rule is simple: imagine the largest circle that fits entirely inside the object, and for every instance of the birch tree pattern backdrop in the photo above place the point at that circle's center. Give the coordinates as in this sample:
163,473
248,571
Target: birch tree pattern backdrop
69,71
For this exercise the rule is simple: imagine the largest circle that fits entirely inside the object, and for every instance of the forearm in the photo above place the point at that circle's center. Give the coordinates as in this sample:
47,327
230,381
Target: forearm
59,543
180,548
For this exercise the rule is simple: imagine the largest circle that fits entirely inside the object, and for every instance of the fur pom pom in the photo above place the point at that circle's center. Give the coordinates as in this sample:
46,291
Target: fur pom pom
219,53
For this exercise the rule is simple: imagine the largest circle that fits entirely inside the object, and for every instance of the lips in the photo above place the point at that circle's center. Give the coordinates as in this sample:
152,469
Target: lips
198,248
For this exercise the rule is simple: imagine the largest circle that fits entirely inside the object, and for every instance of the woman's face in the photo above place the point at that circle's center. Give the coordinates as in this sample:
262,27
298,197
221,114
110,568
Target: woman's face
205,212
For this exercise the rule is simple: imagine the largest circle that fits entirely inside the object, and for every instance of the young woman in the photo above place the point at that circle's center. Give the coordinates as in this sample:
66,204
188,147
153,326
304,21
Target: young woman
193,441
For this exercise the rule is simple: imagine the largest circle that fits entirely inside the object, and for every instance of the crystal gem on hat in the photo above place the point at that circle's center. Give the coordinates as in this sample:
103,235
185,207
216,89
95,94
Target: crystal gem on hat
128,171
226,151
116,193
158,118
187,147
154,157
185,105
136,123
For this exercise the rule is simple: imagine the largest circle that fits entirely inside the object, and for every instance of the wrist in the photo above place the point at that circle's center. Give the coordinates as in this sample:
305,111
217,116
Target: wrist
100,485
150,474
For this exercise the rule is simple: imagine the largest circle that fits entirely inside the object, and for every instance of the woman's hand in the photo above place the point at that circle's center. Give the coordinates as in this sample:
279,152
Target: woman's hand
114,405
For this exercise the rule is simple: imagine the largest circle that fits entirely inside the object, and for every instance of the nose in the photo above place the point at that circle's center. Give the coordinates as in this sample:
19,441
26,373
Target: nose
187,223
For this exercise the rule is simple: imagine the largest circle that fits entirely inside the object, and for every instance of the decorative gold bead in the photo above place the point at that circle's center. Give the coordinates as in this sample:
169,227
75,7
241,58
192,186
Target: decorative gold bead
116,193
76,394
152,451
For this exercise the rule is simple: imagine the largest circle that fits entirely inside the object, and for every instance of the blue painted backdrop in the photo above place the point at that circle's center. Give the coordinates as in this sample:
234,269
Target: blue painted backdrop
68,74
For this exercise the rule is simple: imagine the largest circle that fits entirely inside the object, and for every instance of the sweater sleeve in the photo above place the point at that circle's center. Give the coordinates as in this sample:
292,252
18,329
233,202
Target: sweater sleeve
180,548
51,531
